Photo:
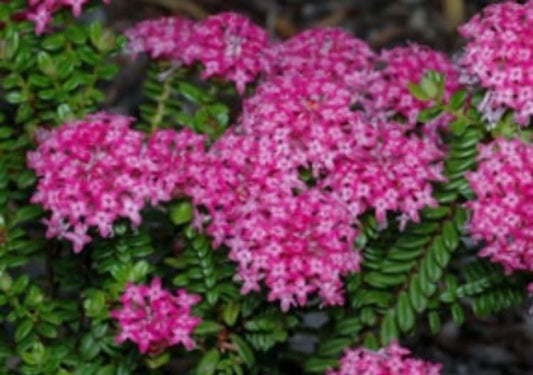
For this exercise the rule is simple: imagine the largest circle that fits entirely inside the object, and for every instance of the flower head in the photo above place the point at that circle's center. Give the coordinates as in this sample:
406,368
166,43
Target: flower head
330,50
227,45
502,213
40,12
392,360
163,38
97,170
155,319
498,58
389,91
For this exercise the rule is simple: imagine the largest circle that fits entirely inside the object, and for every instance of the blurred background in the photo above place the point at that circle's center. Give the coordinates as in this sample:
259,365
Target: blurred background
499,345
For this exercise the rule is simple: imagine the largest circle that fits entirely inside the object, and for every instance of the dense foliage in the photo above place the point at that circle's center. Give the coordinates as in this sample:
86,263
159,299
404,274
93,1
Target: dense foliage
259,183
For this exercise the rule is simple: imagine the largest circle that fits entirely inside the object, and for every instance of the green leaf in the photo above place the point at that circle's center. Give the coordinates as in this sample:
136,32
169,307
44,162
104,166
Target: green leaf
316,365
46,64
381,280
20,284
459,126
428,114
389,329
47,330
439,252
429,87
23,330
76,34
435,213
95,33
244,350
158,361
417,92
434,322
54,41
181,213
208,363
193,93
5,132
14,97
333,347
371,342
89,349
207,328
458,314
405,313
349,326
450,235
458,99
230,313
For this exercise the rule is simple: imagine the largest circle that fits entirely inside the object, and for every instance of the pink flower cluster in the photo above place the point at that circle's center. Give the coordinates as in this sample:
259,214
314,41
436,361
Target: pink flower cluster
499,57
359,160
96,170
155,319
502,214
40,12
227,45
293,233
392,360
329,50
166,38
389,90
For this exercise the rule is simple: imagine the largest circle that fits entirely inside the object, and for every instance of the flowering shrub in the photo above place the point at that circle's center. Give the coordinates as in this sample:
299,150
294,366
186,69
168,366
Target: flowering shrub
267,181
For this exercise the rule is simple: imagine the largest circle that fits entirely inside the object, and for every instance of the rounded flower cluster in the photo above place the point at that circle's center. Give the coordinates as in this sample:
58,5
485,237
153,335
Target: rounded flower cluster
498,56
364,164
231,46
502,214
284,190
330,50
296,243
96,170
392,360
40,12
155,319
227,45
389,90
165,38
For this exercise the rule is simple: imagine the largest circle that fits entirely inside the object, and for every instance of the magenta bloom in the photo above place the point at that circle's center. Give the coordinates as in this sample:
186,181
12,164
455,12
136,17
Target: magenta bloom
227,45
40,12
333,51
392,360
164,38
389,91
155,319
502,214
230,46
499,56
96,170
293,233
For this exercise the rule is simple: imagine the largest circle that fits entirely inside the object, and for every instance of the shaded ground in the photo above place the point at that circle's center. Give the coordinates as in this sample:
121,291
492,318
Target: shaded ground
501,345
